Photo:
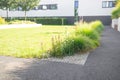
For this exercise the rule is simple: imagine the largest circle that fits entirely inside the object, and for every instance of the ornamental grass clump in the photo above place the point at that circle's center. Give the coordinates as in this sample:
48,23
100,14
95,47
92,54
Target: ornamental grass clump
72,45
86,30
97,25
84,38
81,43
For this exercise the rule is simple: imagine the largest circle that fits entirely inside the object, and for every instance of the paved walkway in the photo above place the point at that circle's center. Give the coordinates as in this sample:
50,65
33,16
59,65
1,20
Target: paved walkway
102,64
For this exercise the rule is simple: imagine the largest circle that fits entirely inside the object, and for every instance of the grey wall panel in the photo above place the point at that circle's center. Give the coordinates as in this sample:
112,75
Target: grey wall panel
106,20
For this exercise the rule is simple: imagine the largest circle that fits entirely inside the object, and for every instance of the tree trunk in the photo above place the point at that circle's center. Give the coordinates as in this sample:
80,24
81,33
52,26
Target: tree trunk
25,14
7,11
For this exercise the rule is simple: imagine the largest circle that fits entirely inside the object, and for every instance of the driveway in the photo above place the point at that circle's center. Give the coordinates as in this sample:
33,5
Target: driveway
102,64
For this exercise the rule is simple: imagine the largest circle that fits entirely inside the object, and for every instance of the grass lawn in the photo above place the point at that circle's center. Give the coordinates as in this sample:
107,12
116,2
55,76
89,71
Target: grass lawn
30,42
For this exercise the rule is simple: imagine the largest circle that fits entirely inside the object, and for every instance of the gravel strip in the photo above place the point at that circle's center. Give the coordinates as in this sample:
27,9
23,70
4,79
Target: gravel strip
75,59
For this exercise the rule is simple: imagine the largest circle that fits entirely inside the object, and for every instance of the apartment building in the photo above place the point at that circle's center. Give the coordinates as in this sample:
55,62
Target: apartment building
73,10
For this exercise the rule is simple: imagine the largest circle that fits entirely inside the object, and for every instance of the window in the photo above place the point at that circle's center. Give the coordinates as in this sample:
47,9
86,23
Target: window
44,7
47,7
53,7
104,4
76,4
35,8
16,9
19,9
108,4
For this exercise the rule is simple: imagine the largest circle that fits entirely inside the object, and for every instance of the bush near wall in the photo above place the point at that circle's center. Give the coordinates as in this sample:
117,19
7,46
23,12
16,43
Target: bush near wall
45,21
50,21
21,22
2,20
116,10
85,38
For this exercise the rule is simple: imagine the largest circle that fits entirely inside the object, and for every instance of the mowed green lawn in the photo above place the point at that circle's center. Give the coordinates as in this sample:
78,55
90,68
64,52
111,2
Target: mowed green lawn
30,42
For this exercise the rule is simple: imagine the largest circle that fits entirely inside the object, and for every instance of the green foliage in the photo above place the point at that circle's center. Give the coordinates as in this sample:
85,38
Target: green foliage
116,10
29,42
72,45
21,22
6,5
45,21
83,39
86,30
26,5
37,42
82,43
51,21
2,21
97,25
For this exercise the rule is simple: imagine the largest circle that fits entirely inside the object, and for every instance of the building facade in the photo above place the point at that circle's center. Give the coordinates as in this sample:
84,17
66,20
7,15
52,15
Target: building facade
73,10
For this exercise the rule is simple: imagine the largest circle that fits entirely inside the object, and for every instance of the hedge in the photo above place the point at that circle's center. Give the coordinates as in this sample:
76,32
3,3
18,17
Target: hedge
45,21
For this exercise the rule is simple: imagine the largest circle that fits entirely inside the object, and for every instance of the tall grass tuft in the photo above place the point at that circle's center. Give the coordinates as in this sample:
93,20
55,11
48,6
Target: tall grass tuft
84,38
97,25
71,45
87,31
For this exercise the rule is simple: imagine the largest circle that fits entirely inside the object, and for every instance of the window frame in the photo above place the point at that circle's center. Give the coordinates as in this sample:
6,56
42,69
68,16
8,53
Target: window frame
108,4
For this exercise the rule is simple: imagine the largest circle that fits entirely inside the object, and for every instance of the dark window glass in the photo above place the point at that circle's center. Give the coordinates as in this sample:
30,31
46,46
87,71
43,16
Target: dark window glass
76,4
104,4
35,8
108,4
40,7
47,7
53,7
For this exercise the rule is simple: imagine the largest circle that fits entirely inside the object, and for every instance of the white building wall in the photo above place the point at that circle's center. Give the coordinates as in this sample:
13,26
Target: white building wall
93,8
65,8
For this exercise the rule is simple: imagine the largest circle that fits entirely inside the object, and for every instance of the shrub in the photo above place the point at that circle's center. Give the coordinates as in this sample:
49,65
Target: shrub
81,43
83,39
72,45
2,21
45,21
97,25
51,21
116,10
86,30
21,22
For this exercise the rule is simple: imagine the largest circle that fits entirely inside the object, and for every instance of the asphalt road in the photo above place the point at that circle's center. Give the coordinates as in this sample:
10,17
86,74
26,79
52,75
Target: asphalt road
102,64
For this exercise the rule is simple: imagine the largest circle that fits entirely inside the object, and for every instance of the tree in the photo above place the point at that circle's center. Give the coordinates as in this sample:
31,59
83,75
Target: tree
27,5
6,5
117,3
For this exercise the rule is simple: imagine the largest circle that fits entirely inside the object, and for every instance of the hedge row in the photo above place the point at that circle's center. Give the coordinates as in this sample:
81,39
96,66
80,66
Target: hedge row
45,21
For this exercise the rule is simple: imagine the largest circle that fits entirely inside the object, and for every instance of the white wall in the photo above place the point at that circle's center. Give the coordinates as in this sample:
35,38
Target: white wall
65,8
114,22
119,24
93,8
